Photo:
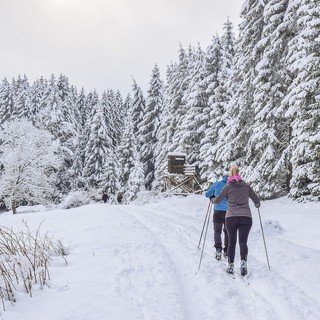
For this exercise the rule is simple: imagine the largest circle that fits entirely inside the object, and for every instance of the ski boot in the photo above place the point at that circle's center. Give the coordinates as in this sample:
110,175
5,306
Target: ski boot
218,254
230,268
243,268
225,255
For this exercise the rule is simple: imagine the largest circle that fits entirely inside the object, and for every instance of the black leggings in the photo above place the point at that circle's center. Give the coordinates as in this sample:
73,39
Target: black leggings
219,226
233,224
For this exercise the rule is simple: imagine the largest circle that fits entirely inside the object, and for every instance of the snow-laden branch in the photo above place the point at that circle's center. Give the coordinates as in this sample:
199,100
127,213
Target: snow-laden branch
27,154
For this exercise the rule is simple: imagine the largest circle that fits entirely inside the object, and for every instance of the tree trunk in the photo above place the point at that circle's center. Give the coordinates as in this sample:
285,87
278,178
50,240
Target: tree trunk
14,206
289,174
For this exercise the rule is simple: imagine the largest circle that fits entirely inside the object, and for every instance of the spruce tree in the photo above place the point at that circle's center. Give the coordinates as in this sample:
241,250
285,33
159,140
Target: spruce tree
214,109
180,140
177,107
131,177
194,121
97,152
136,180
35,97
126,152
20,96
119,116
138,106
266,142
149,126
303,100
175,87
58,116
6,101
239,114
107,100
165,131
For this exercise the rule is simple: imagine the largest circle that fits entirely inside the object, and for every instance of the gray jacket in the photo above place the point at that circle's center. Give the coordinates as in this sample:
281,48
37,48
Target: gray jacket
238,194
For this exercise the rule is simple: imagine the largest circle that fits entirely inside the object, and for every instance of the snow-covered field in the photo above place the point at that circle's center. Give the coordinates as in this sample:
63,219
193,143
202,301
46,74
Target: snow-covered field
131,262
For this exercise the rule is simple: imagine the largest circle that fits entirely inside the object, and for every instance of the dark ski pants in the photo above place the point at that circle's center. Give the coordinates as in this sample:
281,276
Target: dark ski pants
218,227
242,225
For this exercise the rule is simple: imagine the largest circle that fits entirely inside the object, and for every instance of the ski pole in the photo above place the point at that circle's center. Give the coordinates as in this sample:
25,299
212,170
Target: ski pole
205,220
264,241
204,240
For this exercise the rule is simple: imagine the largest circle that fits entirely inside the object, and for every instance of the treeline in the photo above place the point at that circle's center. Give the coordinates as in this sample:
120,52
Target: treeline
253,100
86,127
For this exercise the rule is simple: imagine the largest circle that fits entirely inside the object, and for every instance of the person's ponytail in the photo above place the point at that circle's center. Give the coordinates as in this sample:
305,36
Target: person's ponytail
234,170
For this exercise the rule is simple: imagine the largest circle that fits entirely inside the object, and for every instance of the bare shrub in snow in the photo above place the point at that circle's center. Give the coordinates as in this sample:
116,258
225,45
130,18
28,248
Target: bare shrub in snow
24,261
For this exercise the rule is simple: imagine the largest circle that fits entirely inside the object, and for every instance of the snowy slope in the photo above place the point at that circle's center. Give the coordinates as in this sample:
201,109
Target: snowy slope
140,262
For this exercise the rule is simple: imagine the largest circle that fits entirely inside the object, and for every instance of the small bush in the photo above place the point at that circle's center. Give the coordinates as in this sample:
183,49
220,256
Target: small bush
75,199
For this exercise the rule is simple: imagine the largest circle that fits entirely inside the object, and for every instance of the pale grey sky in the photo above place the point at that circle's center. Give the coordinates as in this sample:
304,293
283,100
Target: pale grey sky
100,44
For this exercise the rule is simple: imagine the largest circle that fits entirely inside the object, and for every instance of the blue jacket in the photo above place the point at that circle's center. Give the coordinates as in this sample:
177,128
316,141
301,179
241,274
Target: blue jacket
215,190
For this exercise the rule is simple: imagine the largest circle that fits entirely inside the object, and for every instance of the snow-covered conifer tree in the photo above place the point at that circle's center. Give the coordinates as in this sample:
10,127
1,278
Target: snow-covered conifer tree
125,153
239,116
35,97
58,116
221,97
138,106
214,109
194,121
6,101
97,152
129,158
119,116
79,143
176,85
303,102
165,132
112,175
174,99
112,109
92,103
182,122
267,140
135,181
107,100
20,93
149,126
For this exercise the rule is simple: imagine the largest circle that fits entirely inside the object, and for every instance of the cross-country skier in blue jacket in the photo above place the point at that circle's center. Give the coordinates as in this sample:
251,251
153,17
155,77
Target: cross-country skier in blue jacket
219,214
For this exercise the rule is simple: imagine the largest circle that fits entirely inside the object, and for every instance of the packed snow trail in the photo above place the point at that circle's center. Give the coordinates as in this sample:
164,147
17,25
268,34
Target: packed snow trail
175,231
140,261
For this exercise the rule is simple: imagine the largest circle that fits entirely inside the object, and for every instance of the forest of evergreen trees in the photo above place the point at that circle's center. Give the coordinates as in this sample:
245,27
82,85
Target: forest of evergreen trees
253,100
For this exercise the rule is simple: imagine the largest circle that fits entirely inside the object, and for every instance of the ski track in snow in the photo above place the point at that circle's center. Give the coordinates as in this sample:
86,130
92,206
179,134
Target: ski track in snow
155,279
222,295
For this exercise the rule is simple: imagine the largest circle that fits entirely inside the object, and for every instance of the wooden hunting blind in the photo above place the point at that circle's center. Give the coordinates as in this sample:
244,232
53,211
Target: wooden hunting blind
180,177
176,162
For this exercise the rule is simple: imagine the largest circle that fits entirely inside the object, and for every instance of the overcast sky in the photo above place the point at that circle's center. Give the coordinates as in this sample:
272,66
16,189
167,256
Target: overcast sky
101,44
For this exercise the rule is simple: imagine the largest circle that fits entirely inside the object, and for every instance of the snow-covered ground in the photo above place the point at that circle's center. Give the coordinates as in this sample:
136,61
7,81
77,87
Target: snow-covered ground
131,262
